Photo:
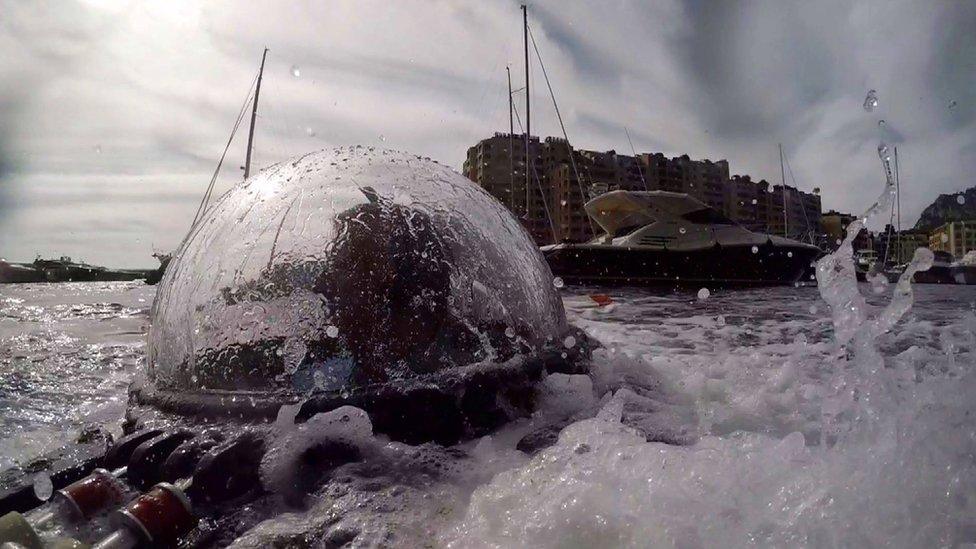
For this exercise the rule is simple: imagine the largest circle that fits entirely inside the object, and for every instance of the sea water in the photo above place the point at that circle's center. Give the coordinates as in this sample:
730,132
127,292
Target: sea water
776,450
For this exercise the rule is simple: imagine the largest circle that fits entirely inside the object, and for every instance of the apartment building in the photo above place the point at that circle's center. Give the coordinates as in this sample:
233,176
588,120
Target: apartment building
563,179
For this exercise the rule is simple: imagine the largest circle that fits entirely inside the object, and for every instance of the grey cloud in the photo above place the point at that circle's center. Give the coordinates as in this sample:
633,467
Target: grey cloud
158,85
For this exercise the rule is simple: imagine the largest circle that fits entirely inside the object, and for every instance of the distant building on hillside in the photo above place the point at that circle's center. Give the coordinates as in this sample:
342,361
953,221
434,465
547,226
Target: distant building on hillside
955,237
835,230
562,179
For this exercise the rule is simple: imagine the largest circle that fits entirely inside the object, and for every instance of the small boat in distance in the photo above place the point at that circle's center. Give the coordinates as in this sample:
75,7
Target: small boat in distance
64,270
964,270
667,238
11,273
865,262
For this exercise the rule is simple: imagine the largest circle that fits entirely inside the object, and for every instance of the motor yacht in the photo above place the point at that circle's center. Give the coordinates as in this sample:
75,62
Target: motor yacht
667,238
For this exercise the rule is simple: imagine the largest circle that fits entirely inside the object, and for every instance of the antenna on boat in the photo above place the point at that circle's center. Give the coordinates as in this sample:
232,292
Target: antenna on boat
254,114
633,150
528,125
782,171
511,143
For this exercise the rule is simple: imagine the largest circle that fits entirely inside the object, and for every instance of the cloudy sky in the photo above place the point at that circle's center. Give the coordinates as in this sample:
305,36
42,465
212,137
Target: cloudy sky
114,113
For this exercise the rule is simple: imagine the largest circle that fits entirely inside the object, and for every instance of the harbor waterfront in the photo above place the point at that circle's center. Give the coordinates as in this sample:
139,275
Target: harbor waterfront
734,372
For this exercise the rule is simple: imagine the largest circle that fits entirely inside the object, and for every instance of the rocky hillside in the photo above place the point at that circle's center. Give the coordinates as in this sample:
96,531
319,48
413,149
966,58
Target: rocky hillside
947,208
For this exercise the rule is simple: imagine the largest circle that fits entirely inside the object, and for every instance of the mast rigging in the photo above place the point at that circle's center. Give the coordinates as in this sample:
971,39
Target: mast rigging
254,114
528,127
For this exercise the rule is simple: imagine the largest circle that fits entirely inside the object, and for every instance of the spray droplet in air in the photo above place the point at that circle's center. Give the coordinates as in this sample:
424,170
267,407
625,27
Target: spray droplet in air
703,294
883,152
332,331
871,100
43,487
558,282
295,71
960,199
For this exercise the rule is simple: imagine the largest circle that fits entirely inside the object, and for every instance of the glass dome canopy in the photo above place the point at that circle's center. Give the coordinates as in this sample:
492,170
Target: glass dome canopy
344,268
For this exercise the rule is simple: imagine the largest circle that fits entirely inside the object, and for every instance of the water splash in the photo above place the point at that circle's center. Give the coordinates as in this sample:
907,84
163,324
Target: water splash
859,391
43,487
836,275
871,100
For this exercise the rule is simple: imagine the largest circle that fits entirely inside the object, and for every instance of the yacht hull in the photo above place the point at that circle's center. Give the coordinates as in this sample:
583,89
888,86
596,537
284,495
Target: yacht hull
937,274
963,274
726,265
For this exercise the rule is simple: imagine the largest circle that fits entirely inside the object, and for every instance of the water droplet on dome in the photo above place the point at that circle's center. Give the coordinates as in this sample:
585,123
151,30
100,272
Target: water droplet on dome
98,149
704,294
755,249
882,123
332,331
813,309
682,230
510,332
754,201
43,487
558,282
960,199
309,131
569,342
789,254
720,320
944,238
952,104
871,100
382,138
295,71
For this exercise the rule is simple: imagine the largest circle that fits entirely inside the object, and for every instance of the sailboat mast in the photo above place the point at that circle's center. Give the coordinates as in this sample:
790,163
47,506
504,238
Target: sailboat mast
511,143
782,171
254,114
528,125
898,205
